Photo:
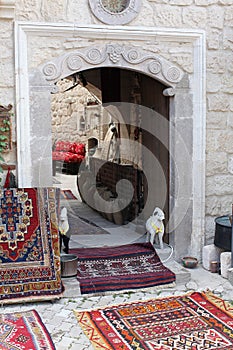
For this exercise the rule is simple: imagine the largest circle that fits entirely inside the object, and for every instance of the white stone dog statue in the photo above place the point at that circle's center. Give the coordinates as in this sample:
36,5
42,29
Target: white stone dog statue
155,227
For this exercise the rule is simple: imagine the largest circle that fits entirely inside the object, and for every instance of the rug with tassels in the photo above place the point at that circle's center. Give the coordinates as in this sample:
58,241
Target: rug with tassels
194,321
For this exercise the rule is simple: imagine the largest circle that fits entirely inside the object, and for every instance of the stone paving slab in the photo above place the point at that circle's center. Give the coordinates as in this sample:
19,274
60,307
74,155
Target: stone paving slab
60,321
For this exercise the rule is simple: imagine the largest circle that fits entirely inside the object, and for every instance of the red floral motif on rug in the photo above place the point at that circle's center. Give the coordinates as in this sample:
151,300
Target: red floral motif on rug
24,331
194,321
29,245
129,266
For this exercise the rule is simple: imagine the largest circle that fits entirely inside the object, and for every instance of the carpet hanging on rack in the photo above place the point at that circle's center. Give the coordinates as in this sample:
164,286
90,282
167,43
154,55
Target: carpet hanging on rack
29,245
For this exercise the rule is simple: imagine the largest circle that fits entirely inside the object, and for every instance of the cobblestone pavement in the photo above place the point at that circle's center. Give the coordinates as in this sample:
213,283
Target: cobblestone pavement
61,323
58,315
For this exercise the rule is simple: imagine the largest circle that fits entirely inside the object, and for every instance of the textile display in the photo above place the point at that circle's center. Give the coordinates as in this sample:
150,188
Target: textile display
124,267
29,245
194,321
24,331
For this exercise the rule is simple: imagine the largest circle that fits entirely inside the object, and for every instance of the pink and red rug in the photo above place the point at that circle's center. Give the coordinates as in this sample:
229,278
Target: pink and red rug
24,331
130,266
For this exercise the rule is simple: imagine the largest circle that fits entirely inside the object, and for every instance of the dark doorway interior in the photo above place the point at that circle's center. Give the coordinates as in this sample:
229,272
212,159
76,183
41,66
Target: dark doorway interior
120,85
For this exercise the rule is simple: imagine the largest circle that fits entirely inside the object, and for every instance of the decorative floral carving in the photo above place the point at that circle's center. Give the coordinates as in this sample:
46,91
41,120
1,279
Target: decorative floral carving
74,62
115,12
95,56
154,67
173,74
51,71
116,54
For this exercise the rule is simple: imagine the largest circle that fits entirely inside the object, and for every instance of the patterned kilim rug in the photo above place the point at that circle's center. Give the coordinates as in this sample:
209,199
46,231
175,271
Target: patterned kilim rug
125,267
24,331
67,194
195,321
29,245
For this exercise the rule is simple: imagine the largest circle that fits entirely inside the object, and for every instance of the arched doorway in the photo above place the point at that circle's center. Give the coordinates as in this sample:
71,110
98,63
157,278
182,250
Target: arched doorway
33,109
142,129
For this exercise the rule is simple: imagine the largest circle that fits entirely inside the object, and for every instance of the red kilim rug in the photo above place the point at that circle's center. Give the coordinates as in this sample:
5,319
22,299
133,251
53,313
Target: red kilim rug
125,267
24,331
195,321
29,245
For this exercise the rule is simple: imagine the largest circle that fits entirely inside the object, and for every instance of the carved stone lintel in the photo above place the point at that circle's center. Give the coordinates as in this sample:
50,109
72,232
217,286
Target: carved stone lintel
110,55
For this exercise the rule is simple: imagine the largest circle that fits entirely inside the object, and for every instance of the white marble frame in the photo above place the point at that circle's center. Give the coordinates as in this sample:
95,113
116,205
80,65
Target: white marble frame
25,165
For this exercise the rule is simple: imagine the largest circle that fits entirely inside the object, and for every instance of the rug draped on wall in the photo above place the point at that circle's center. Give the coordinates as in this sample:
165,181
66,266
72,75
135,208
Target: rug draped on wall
192,322
29,246
24,330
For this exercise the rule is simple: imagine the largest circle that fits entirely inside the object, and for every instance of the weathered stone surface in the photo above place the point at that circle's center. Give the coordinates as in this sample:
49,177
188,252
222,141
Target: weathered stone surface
216,62
227,83
194,17
213,83
225,260
216,163
217,206
226,2
214,39
210,253
215,17
167,16
217,120
230,275
205,2
218,102
228,38
230,163
219,185
209,229
183,57
224,141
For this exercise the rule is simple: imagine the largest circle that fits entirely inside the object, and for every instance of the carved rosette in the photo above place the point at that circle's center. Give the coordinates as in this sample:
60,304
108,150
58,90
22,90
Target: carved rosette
113,55
115,11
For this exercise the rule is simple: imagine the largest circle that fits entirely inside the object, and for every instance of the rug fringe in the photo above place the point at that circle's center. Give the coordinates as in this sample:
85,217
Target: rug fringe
136,300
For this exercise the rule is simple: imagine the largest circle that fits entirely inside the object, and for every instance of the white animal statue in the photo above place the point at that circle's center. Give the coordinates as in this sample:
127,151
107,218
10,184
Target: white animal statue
155,227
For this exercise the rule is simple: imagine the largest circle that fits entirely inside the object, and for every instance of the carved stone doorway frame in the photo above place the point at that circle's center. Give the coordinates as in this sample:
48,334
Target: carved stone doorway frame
33,89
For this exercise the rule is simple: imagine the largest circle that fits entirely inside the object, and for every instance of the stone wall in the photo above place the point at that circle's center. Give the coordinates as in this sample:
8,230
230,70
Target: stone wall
213,16
69,110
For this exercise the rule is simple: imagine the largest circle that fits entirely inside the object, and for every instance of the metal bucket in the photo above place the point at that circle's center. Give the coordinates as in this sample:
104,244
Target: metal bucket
223,232
69,264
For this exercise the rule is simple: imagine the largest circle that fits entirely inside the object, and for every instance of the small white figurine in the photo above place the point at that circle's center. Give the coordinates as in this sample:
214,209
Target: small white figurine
64,232
155,227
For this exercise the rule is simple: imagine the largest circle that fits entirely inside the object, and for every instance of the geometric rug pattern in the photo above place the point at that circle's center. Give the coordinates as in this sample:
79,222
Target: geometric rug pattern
24,331
126,267
29,245
194,321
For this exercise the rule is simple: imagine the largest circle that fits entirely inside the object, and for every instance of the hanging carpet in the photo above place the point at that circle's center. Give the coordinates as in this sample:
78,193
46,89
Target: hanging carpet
125,267
194,321
29,245
24,331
